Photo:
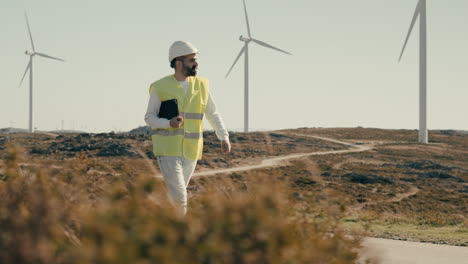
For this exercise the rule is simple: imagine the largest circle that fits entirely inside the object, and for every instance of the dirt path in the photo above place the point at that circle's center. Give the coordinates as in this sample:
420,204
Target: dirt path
412,191
399,197
47,134
388,251
282,160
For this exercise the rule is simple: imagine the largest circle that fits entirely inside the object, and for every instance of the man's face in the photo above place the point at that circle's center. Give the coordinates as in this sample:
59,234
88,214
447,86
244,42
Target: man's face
190,65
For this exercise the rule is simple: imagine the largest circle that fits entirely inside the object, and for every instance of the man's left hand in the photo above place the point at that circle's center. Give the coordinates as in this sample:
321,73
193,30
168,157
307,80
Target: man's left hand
225,146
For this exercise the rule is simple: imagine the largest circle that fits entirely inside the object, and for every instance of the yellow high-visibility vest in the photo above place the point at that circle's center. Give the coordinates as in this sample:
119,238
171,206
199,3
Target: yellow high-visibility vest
186,141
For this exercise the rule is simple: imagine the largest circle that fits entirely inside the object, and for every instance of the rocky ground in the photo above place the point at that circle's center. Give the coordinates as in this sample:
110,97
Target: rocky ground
246,147
397,189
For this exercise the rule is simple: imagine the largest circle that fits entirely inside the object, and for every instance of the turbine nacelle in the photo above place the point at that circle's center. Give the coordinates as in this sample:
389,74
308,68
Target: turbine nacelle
29,69
245,39
245,51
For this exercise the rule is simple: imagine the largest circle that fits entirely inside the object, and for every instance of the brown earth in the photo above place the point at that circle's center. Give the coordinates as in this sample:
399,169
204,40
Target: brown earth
398,181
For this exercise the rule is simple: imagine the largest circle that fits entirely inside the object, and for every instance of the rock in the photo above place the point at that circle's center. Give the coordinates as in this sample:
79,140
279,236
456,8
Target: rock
2,142
69,145
3,177
110,135
192,189
203,162
208,133
408,179
39,151
83,136
102,145
150,155
424,165
298,196
465,189
249,150
143,130
209,143
239,138
117,149
448,132
302,181
367,179
274,135
439,175
235,176
102,135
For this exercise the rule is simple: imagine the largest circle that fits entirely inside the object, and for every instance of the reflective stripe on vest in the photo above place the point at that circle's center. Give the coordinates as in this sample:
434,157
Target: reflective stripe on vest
198,116
176,132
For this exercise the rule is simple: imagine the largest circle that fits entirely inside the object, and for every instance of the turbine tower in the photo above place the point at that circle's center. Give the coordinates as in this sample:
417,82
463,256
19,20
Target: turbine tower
420,12
245,50
29,68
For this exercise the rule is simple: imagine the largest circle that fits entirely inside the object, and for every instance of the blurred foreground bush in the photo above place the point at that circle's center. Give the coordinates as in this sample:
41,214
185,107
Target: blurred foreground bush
47,218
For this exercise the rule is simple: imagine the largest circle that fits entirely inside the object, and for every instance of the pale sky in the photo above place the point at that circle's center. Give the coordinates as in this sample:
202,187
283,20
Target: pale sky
344,71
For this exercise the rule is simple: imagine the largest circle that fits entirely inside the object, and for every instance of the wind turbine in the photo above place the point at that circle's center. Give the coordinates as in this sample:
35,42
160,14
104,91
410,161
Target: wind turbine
29,68
245,50
420,12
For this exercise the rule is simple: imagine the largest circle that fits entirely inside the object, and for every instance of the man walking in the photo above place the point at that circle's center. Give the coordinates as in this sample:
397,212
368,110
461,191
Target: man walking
178,142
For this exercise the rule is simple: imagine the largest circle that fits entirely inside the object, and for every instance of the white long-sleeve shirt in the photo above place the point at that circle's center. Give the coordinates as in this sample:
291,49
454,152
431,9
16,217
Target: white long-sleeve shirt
213,116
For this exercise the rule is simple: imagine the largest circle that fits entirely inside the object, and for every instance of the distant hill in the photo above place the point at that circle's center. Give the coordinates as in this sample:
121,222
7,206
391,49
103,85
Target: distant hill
12,130
450,131
66,131
142,130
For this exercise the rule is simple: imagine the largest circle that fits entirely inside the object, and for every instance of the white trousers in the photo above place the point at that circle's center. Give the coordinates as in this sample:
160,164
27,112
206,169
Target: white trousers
177,172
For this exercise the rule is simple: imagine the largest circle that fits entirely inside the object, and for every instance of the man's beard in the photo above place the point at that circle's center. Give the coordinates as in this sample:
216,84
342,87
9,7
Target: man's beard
190,71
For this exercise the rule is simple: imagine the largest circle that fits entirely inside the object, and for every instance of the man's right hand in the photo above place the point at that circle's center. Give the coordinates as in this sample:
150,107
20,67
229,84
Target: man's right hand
176,121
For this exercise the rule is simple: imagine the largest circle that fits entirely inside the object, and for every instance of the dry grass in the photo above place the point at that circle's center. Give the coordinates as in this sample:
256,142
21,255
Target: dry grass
87,211
396,185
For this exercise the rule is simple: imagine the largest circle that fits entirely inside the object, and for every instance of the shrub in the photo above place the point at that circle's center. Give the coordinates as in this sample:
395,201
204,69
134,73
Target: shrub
46,218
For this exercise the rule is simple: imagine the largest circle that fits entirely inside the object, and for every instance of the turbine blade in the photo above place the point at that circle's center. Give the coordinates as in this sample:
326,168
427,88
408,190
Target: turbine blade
247,19
413,21
269,46
26,71
29,30
238,56
47,56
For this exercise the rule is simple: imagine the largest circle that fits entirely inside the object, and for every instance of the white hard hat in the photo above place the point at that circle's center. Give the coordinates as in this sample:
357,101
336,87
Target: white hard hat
181,48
